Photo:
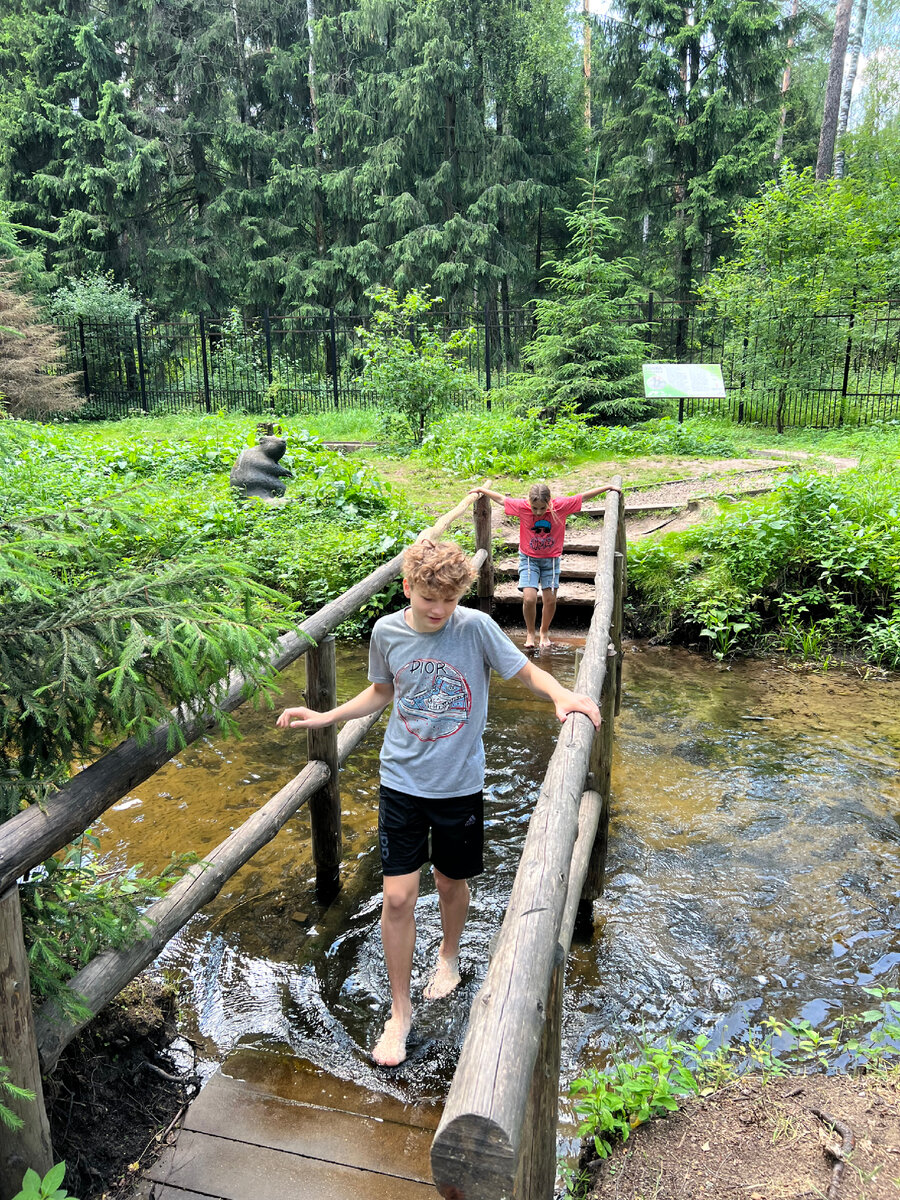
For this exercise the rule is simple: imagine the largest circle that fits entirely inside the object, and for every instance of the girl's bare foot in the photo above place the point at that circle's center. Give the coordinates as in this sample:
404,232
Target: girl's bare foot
529,643
390,1049
444,980
545,641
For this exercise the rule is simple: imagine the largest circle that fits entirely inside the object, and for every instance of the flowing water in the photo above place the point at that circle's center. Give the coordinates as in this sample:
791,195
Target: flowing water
754,869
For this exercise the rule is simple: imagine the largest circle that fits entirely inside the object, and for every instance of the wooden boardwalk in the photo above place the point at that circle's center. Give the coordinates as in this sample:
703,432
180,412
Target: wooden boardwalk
267,1127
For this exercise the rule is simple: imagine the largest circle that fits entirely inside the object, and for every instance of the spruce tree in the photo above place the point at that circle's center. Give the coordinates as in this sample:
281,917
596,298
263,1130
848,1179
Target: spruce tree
686,103
584,354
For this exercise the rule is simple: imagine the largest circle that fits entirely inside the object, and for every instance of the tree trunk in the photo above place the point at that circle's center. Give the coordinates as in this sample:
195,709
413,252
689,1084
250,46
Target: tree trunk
833,89
785,84
856,41
587,64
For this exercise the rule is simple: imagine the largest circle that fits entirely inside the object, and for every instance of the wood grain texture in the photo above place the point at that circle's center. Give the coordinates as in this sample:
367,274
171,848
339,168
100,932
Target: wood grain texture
29,1146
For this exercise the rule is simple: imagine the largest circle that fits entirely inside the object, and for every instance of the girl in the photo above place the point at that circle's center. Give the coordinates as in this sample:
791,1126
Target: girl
542,530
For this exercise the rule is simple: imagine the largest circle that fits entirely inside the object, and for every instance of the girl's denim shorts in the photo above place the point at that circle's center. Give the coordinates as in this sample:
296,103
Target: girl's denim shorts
538,572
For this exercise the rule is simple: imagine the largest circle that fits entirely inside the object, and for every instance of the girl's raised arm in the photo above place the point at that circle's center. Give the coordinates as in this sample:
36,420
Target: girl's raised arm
483,491
604,487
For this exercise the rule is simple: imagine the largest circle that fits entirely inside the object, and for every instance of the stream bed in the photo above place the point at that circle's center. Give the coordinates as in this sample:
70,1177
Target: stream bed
754,869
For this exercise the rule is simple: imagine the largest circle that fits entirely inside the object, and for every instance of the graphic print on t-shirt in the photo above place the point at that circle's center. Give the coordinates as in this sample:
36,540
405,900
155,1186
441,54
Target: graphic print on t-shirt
541,537
439,699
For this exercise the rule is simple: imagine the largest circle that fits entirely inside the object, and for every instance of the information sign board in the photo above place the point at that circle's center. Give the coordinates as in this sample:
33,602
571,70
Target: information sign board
677,380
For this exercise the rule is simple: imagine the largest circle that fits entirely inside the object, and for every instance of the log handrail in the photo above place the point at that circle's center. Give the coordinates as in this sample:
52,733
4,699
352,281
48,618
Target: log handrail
478,1145
32,835
110,970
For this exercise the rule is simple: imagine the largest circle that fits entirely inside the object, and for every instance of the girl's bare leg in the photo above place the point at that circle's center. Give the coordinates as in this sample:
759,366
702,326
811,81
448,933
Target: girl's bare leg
529,612
398,934
549,608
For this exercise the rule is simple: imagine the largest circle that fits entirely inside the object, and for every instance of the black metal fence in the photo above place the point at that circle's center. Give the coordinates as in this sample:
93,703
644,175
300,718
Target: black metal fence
813,369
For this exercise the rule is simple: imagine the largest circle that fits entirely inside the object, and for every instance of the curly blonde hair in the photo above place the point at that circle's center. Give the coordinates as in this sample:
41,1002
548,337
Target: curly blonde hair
439,567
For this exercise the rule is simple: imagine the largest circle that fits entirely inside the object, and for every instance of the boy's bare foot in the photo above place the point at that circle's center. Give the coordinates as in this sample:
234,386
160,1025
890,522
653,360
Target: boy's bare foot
390,1049
444,979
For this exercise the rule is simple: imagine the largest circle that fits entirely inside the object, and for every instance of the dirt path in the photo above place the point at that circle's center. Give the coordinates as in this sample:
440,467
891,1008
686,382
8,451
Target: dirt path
762,1141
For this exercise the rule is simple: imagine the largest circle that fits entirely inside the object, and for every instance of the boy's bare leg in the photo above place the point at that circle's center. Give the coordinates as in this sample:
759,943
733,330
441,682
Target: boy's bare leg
529,612
453,896
398,935
547,614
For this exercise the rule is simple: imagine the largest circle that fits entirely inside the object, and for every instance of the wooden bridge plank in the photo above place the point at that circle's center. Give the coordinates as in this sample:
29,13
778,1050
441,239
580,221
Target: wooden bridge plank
230,1109
230,1170
298,1079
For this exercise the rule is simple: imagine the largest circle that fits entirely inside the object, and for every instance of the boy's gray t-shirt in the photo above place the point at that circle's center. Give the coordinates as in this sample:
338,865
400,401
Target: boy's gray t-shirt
433,745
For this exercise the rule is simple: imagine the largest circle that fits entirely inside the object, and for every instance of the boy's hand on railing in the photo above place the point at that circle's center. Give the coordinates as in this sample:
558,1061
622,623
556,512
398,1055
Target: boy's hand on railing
574,702
303,718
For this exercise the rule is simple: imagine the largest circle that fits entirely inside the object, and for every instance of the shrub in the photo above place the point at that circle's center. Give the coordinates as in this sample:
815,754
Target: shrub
32,377
408,365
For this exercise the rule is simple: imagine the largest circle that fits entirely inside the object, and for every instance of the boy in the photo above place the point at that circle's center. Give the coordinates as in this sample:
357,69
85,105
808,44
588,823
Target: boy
434,661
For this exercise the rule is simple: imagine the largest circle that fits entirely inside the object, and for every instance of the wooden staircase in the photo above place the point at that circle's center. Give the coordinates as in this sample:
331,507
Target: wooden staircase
579,557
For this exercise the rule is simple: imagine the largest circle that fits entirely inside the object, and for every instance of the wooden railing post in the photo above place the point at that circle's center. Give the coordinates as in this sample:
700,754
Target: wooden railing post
325,805
537,1165
29,1146
483,540
620,581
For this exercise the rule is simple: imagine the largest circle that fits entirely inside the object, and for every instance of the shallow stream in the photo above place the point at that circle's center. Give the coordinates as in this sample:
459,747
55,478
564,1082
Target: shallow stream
754,869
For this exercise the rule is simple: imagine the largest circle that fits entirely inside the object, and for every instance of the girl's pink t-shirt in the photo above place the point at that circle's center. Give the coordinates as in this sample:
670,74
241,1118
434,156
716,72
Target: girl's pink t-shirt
543,537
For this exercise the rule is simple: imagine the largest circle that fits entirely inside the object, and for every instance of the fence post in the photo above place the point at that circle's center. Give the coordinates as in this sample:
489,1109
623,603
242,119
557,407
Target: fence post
483,538
335,385
206,397
325,805
84,362
487,353
267,330
847,355
30,1146
140,354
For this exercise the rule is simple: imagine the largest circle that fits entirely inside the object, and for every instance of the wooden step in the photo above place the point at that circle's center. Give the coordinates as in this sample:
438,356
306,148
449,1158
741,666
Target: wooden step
572,566
574,593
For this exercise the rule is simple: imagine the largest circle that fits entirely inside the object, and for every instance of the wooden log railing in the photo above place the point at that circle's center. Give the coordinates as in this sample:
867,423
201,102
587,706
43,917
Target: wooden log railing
496,1138
32,1042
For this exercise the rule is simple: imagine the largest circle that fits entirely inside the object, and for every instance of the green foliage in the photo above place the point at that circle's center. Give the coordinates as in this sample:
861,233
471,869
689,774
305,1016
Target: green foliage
408,365
48,1188
11,1091
685,107
583,354
610,1104
815,566
96,297
806,249
131,580
518,442
72,908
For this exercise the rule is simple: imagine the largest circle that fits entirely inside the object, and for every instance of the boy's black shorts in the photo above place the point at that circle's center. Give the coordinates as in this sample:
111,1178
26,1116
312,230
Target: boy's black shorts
457,833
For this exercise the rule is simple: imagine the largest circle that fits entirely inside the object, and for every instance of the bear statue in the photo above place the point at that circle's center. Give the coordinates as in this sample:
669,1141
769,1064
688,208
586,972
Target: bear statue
257,473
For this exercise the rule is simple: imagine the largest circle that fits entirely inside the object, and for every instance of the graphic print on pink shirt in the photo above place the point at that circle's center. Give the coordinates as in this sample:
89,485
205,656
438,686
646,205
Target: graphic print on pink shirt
441,702
542,537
